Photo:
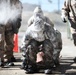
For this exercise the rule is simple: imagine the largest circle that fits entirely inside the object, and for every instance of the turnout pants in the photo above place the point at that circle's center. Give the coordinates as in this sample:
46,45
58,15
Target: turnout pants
6,42
47,49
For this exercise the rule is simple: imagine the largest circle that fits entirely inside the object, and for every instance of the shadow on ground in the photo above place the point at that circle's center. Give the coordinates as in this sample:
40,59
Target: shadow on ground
67,67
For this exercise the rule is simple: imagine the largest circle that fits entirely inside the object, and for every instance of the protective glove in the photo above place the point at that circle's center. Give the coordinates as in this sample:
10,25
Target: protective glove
64,18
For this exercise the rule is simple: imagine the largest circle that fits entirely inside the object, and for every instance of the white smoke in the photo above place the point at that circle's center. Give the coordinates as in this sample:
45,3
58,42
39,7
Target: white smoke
8,12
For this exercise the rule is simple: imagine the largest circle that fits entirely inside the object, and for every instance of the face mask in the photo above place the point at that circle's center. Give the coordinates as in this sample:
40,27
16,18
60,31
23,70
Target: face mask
38,23
40,15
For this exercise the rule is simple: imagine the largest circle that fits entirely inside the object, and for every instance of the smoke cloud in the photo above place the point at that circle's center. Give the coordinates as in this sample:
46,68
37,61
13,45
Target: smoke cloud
8,12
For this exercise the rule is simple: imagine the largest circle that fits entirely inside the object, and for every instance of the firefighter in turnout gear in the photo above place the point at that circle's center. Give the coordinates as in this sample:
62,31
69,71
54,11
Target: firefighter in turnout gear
8,27
69,12
42,33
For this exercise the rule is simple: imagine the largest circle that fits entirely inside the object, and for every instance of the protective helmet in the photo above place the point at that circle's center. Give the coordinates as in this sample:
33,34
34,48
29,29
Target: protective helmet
38,12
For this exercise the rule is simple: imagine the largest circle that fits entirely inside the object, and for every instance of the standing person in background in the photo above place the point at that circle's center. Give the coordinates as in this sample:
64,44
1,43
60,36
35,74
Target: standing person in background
9,28
69,12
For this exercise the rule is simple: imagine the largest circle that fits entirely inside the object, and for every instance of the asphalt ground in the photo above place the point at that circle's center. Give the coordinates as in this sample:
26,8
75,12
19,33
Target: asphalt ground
67,64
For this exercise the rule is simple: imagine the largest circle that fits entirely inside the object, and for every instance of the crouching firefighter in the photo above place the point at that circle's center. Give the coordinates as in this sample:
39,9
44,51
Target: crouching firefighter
38,48
49,30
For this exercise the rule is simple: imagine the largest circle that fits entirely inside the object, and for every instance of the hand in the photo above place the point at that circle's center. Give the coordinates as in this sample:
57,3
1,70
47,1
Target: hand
40,57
